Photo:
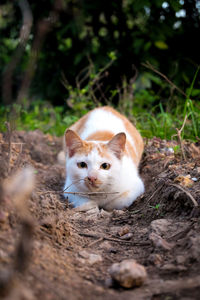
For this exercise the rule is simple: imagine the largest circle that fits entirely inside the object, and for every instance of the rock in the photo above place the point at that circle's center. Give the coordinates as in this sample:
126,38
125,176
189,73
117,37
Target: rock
194,179
160,226
105,245
117,213
94,258
155,259
180,259
159,242
108,282
104,214
124,230
173,268
3,217
193,246
90,258
128,273
127,236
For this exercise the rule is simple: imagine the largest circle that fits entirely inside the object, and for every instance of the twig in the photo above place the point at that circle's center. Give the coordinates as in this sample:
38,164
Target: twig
80,193
187,193
80,80
17,163
179,131
74,182
12,143
9,135
148,200
92,193
95,242
181,234
149,66
93,235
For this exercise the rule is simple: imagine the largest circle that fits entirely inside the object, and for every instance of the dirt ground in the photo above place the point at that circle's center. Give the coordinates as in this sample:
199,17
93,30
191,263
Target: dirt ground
59,253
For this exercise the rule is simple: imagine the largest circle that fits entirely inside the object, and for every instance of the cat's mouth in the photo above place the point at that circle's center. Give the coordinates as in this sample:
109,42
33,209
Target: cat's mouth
93,186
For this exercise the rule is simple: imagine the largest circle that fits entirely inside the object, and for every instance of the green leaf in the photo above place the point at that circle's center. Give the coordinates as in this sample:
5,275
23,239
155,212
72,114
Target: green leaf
161,45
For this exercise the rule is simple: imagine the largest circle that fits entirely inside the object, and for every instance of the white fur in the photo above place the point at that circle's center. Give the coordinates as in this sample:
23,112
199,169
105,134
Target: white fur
122,177
101,120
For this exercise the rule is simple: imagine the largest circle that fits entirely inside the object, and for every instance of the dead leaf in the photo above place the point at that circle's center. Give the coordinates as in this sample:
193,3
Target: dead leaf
184,180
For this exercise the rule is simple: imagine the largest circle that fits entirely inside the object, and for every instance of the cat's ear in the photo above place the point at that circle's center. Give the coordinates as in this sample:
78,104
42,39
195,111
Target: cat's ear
117,144
73,142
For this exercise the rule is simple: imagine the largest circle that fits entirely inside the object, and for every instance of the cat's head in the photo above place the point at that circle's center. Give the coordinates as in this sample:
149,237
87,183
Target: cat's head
94,166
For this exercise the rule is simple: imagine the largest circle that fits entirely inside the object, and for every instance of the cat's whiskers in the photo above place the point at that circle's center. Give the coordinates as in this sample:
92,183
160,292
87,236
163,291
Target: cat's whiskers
88,194
74,182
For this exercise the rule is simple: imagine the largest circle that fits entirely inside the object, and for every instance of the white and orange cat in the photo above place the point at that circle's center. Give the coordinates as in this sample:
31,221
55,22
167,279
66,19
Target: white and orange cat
103,150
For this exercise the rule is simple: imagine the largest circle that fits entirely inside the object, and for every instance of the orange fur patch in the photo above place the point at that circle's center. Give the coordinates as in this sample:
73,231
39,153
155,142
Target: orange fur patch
133,132
79,127
100,136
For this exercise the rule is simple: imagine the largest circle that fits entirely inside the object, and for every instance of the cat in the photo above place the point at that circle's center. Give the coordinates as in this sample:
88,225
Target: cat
103,150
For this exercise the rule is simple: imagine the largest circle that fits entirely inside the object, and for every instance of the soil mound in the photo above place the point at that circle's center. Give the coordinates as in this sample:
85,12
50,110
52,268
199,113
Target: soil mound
67,254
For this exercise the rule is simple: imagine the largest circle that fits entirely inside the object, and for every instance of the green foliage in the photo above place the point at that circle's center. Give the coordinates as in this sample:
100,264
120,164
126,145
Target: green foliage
163,124
157,206
40,115
136,103
84,97
137,31
152,115
177,149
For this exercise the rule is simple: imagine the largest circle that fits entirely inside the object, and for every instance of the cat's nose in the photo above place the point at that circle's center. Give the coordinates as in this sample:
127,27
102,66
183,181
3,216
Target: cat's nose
92,179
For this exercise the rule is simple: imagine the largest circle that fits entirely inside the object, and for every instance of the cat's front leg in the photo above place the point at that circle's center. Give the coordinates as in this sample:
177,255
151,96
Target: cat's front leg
119,202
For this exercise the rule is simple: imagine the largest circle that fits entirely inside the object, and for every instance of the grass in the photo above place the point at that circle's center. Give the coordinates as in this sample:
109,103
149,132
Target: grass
163,124
150,122
41,115
151,115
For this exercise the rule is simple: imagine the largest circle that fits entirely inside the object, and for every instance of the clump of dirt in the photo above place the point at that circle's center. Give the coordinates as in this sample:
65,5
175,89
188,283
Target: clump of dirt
73,251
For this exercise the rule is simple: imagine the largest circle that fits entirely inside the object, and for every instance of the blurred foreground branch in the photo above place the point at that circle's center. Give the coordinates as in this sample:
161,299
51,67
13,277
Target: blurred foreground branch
16,191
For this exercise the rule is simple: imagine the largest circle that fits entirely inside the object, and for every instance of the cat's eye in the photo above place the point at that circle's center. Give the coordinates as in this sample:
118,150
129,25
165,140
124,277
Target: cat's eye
105,166
82,165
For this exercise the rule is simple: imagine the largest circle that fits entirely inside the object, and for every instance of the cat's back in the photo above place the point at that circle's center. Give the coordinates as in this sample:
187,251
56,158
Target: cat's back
101,124
100,119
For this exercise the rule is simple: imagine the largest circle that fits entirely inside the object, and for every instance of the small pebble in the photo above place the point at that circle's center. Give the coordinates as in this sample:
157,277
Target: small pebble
173,268
90,258
124,230
159,242
155,259
117,213
180,259
171,150
194,178
127,236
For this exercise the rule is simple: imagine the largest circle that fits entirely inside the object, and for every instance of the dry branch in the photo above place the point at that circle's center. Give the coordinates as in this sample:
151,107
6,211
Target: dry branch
18,189
9,136
151,67
89,194
187,193
99,236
